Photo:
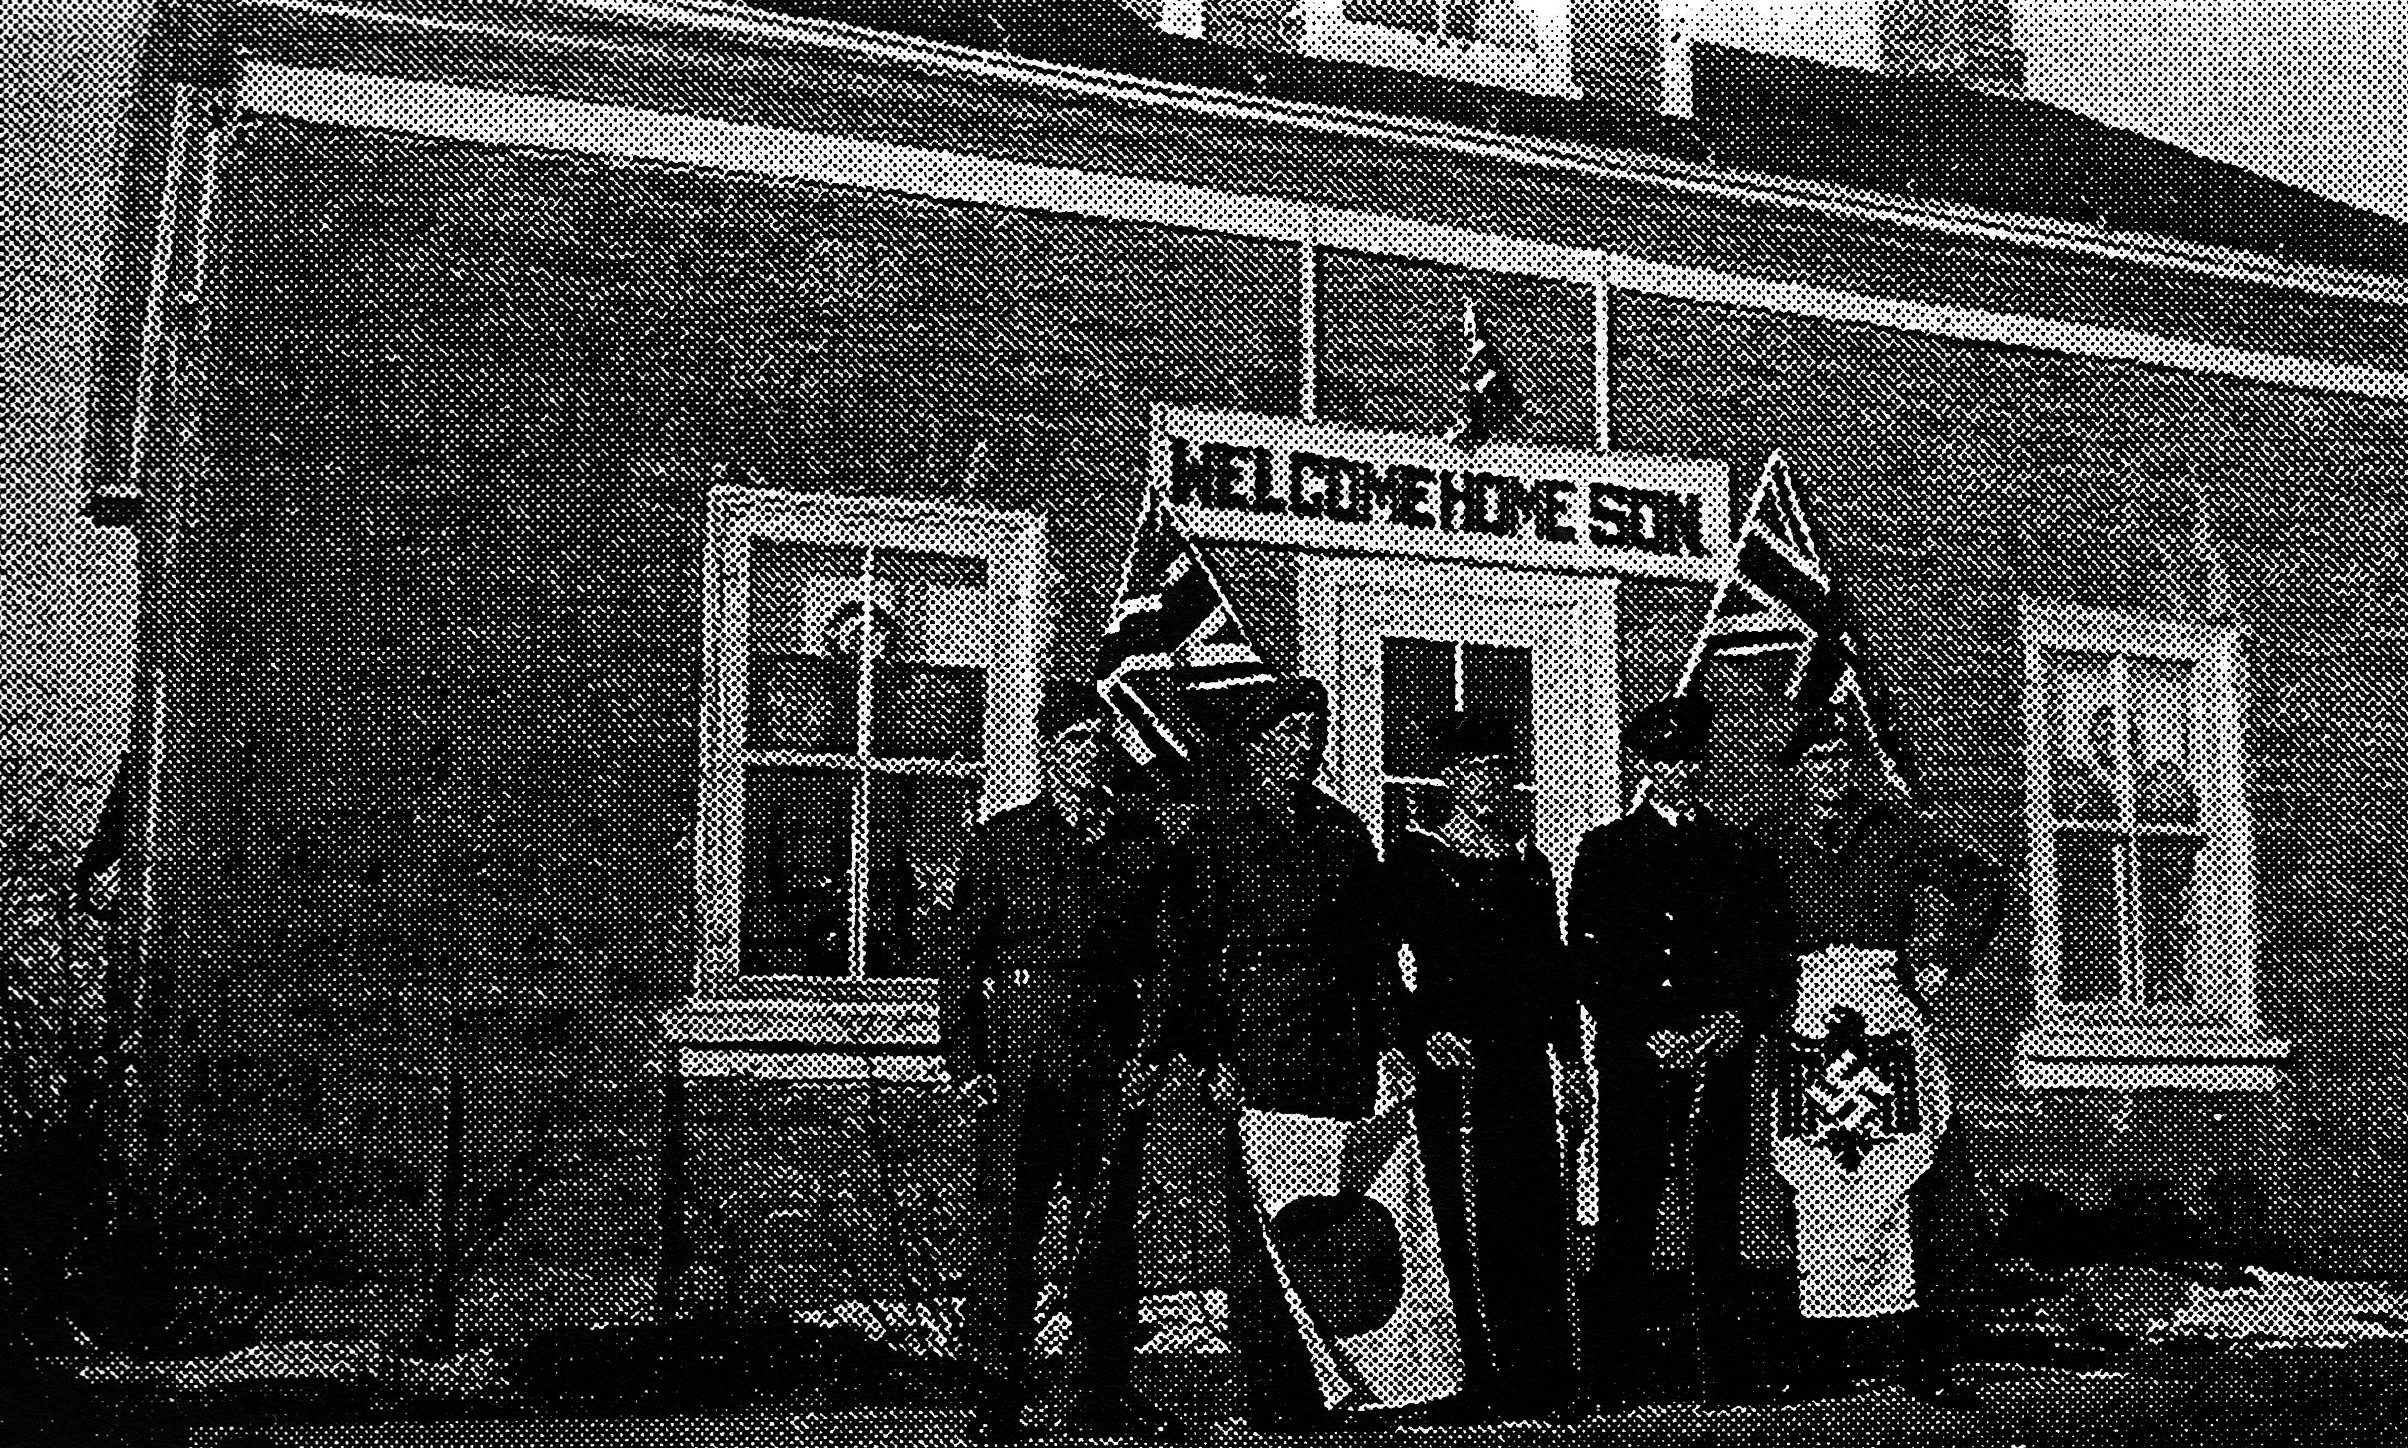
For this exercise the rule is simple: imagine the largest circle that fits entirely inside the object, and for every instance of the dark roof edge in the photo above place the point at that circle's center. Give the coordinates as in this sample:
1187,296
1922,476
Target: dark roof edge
760,32
189,47
1923,136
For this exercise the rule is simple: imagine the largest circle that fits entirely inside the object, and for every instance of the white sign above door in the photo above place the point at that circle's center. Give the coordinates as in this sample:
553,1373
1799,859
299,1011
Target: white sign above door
1240,477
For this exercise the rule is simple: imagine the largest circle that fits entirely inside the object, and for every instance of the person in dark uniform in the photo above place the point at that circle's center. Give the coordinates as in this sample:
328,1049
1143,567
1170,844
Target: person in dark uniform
1675,925
1492,996
1280,985
1870,881
1050,938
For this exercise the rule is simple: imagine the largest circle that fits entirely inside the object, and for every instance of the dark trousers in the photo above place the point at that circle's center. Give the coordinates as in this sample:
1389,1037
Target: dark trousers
1274,1370
1496,1177
1062,1129
1667,1316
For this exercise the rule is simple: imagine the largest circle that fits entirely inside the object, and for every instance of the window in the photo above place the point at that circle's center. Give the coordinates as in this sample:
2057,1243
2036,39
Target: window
871,690
2142,874
1424,683
1517,44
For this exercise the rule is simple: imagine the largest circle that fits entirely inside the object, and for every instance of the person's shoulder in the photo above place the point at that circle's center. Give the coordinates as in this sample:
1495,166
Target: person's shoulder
1029,814
1328,812
1417,851
1621,832
1534,860
1020,829
1735,839
1769,825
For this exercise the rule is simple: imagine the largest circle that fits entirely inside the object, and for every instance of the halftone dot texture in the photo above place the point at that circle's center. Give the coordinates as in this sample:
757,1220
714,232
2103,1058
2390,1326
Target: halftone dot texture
507,1018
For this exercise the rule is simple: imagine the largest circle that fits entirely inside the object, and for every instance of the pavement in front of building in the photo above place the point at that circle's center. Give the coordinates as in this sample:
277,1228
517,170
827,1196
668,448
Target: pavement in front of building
2349,1400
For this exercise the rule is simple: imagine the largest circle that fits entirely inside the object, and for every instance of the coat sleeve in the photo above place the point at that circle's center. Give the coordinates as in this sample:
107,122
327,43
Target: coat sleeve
1384,984
1956,898
1766,929
1593,926
1415,917
1558,985
965,945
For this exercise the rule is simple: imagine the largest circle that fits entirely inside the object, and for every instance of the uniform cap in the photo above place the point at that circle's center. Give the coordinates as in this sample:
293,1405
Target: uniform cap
1814,729
1478,734
1250,713
1671,731
1067,704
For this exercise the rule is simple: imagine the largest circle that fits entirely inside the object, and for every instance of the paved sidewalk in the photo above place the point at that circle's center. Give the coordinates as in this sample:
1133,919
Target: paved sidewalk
2359,1405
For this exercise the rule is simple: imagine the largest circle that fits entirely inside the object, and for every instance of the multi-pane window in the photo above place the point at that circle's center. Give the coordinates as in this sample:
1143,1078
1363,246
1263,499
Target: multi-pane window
1508,24
873,677
1425,682
2125,800
2142,876
1519,44
864,749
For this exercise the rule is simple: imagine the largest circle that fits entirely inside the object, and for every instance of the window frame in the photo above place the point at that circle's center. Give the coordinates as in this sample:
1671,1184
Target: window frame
1327,34
2221,1046
730,1019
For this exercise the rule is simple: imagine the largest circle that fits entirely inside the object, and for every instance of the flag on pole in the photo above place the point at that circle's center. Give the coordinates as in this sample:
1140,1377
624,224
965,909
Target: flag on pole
1345,1208
1778,601
1171,636
1486,396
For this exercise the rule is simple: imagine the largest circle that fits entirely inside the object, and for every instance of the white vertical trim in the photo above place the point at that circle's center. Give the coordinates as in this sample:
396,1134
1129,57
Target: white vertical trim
857,827
1018,577
167,233
2230,682
2040,824
1602,366
1308,319
719,837
1672,33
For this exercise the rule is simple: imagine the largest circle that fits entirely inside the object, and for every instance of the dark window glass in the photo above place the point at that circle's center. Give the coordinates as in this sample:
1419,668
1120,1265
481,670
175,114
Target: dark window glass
2089,918
916,827
798,839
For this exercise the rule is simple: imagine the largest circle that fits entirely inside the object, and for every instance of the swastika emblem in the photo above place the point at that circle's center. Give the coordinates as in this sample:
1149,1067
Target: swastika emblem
1847,1091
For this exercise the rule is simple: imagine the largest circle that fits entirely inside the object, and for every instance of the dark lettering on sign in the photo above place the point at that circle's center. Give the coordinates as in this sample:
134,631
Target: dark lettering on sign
1250,479
1413,486
1307,485
1266,497
1548,501
1458,503
1187,473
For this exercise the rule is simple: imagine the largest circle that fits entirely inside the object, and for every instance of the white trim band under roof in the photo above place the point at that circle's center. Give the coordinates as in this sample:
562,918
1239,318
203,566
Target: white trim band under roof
728,21
515,119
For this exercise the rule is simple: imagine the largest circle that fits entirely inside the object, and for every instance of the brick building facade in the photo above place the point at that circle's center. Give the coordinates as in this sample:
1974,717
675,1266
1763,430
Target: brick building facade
509,409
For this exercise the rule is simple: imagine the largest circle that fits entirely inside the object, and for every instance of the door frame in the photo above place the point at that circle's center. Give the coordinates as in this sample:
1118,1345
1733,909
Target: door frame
1340,600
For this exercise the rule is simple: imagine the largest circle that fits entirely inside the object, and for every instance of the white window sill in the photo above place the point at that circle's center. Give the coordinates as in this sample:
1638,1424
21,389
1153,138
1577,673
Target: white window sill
2149,1058
835,1036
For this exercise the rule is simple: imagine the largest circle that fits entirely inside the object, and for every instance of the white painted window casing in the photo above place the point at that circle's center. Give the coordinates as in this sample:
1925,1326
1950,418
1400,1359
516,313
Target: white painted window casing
2143,874
979,628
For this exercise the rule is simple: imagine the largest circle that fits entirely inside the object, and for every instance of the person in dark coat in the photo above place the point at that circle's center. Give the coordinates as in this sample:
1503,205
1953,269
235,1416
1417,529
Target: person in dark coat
1492,997
1051,936
1675,924
1866,874
1279,984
